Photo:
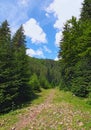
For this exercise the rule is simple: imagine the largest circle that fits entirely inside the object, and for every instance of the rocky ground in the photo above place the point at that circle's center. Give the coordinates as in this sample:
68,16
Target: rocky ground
57,111
53,116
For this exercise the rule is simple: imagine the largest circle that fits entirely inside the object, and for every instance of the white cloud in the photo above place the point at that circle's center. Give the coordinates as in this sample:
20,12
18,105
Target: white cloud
58,37
30,52
47,15
62,11
14,12
47,49
23,2
56,59
34,31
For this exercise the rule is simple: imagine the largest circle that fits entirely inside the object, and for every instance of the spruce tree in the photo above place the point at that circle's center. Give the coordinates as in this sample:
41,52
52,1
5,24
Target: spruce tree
20,65
6,90
75,50
86,10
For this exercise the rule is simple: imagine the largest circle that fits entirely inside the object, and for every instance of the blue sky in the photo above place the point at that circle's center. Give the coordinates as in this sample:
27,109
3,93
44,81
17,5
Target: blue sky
42,20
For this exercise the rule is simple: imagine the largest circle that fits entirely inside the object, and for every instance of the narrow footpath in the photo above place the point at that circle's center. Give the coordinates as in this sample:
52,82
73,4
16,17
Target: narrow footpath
55,113
34,111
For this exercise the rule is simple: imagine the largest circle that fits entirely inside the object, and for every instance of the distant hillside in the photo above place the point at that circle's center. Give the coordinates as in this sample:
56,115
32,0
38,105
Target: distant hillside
46,69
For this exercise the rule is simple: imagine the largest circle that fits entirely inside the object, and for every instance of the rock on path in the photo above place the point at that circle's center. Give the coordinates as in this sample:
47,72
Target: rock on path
51,115
30,117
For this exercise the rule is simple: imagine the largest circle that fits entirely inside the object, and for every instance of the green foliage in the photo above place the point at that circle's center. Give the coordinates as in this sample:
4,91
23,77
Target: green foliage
79,87
6,90
75,50
47,71
89,99
13,68
34,83
21,76
44,83
21,65
86,10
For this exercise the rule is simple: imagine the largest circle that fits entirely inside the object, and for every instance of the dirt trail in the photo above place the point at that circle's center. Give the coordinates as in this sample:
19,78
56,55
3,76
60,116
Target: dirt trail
30,117
51,115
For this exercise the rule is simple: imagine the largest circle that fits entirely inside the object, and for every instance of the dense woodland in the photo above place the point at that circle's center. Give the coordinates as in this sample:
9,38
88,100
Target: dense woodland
75,51
14,73
21,76
46,71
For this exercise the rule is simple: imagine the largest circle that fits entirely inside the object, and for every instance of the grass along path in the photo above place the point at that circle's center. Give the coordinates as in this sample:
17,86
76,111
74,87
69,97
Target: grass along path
53,110
31,116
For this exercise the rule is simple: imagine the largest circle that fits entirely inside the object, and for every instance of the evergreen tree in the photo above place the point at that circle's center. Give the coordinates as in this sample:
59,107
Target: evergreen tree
86,10
14,72
47,71
6,90
21,66
75,50
68,51
34,83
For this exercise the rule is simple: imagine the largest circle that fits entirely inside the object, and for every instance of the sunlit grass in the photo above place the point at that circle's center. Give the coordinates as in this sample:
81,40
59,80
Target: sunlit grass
8,120
65,111
41,96
68,97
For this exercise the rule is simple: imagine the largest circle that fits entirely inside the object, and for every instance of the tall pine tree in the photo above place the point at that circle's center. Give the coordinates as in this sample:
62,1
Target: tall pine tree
20,65
86,10
6,90
75,50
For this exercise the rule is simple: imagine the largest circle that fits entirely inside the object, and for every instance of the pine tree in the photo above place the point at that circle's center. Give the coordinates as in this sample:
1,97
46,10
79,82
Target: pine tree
68,51
20,65
34,83
75,50
86,10
6,90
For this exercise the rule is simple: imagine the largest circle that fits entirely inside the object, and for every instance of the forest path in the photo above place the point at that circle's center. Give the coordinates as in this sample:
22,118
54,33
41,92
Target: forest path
51,110
59,111
33,112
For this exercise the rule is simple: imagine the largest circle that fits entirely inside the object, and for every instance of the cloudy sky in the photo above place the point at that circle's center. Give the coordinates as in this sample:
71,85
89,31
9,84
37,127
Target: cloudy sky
42,20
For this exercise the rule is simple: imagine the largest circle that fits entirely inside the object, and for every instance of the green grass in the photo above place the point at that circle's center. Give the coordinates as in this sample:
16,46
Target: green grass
41,96
66,112
57,116
8,120
68,97
76,105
